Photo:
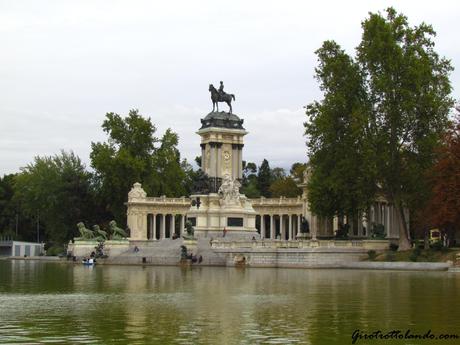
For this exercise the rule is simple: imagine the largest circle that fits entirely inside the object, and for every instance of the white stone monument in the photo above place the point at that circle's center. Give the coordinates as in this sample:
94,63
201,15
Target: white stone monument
222,210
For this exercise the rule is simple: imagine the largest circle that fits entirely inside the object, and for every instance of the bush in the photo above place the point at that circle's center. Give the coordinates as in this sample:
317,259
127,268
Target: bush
394,247
55,250
378,231
437,246
342,231
391,256
415,254
372,254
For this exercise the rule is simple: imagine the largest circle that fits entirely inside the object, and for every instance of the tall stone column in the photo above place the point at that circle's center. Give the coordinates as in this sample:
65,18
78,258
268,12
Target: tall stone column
290,227
173,225
262,226
213,162
299,222
313,227
272,227
203,157
234,161
154,226
388,224
219,160
163,226
182,224
240,161
282,227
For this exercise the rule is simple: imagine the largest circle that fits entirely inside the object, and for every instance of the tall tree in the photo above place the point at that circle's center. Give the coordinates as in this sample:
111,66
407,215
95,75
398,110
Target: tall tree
264,179
125,158
390,119
285,186
408,85
56,192
342,180
443,209
132,154
297,170
169,176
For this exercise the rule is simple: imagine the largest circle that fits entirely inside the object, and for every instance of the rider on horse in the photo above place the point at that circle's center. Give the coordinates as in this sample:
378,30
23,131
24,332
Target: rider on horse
221,90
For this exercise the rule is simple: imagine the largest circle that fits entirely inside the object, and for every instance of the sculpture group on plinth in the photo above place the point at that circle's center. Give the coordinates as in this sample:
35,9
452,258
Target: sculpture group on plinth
229,191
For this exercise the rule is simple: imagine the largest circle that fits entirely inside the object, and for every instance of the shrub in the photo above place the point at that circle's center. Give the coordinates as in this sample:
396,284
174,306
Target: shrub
55,250
437,246
394,247
391,256
372,254
415,254
378,231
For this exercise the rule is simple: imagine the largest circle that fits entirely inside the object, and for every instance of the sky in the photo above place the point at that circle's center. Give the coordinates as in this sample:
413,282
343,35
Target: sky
65,64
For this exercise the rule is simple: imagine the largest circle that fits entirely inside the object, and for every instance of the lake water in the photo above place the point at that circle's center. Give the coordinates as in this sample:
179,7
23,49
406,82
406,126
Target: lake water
65,304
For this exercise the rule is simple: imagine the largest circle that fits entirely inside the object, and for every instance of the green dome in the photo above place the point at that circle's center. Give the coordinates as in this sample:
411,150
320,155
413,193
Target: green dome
223,120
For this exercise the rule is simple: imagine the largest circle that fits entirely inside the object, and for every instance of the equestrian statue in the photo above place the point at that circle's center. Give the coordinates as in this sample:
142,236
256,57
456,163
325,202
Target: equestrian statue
220,96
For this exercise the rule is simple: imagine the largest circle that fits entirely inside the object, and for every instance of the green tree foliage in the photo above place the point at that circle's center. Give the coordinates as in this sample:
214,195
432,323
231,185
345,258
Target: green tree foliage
285,186
397,103
409,86
297,170
264,179
132,154
342,179
168,175
277,174
8,210
56,189
125,158
249,185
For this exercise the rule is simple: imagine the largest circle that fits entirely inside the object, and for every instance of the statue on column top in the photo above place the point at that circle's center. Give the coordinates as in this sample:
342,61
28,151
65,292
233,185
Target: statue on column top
220,96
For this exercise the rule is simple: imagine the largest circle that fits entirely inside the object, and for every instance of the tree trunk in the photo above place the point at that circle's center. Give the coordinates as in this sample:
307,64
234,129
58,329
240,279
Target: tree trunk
404,242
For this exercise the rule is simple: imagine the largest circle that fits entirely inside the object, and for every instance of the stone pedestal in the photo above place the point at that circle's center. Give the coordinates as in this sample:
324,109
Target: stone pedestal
215,214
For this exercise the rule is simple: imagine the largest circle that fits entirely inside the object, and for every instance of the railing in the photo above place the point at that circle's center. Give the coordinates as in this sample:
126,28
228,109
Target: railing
276,201
165,200
274,244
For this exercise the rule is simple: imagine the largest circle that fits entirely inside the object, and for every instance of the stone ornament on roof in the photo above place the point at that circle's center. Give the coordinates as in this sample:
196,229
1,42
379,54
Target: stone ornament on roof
136,192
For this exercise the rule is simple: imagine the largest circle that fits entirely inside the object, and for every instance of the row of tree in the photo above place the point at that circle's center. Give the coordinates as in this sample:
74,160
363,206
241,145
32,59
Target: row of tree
382,120
51,195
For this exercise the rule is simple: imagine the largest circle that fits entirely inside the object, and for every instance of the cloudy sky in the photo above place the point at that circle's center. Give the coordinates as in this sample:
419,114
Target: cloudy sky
64,64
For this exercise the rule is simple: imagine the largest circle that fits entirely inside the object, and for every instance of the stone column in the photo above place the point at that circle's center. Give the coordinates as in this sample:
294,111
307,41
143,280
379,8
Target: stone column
299,222
313,227
234,161
182,224
272,227
219,160
290,227
154,226
203,157
212,163
172,226
282,227
163,226
262,227
240,161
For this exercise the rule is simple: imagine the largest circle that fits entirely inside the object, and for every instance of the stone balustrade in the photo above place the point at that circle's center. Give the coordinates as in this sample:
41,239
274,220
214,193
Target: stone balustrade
364,244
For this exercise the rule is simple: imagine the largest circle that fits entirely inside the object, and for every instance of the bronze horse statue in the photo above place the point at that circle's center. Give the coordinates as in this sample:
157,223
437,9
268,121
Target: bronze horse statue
216,98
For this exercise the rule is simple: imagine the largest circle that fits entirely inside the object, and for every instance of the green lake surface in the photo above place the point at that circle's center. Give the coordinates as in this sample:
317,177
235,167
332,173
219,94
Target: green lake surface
47,302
